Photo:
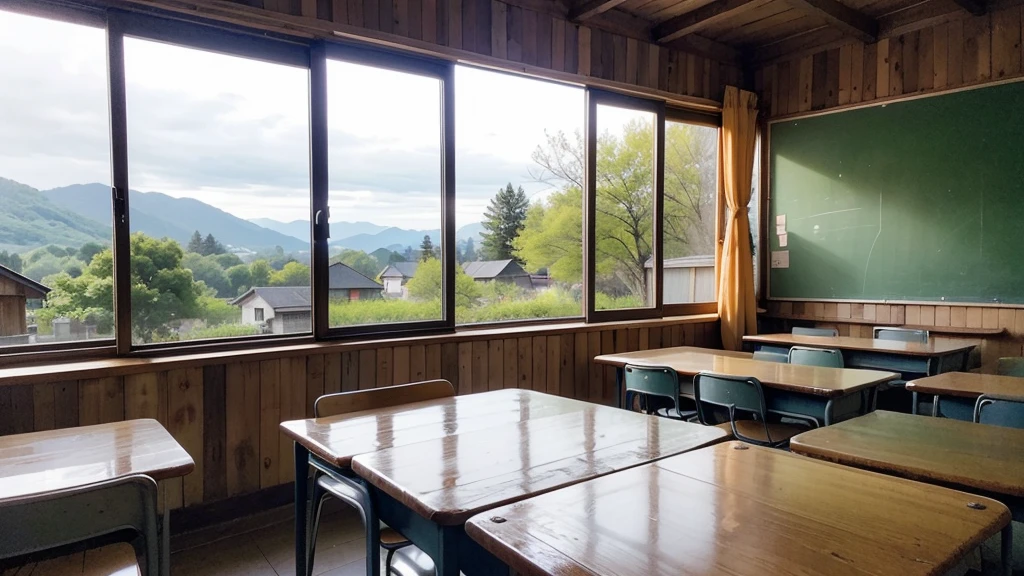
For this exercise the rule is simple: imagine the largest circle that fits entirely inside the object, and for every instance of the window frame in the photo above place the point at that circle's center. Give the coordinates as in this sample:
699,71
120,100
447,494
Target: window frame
593,98
710,120
220,39
444,72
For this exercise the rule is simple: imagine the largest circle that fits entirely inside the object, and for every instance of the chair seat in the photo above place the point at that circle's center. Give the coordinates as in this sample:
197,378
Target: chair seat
671,413
391,538
411,561
780,432
112,560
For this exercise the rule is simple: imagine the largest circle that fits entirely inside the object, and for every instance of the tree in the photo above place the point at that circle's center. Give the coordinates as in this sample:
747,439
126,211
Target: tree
206,269
240,278
293,274
259,273
427,284
553,236
503,221
426,249
162,290
469,253
12,261
88,250
195,244
359,261
212,246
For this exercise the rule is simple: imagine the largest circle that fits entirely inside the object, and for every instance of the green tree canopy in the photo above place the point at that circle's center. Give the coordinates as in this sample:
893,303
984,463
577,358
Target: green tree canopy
212,246
427,284
503,221
208,270
195,243
88,250
240,278
359,261
293,274
162,290
469,252
426,249
259,273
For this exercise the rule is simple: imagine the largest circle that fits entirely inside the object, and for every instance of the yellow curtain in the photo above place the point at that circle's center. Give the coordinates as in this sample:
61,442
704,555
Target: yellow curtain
736,305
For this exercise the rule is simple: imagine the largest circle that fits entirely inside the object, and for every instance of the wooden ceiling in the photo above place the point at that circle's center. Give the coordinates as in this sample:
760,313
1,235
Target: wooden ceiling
755,31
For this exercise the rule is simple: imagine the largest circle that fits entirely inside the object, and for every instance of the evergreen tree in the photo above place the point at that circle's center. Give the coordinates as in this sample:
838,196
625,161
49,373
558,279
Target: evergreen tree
211,246
469,254
195,244
504,219
426,249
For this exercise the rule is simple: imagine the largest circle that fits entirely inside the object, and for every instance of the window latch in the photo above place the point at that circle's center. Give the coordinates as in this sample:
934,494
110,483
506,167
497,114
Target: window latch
326,214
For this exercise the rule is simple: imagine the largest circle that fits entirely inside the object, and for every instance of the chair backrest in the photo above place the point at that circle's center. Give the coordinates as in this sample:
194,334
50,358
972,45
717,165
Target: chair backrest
734,393
901,334
998,411
1012,366
659,381
375,398
766,356
828,332
826,357
54,519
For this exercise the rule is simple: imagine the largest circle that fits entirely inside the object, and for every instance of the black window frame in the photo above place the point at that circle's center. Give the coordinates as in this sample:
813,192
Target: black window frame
444,72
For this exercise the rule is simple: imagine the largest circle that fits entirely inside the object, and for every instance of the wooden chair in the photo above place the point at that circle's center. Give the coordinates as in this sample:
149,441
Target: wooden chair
111,560
771,356
997,411
824,357
325,486
740,396
45,521
826,332
655,382
1012,366
901,334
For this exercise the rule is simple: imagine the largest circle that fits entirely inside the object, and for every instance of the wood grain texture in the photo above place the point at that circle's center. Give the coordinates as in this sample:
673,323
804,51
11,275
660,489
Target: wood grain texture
934,347
829,382
969,385
739,510
448,486
963,454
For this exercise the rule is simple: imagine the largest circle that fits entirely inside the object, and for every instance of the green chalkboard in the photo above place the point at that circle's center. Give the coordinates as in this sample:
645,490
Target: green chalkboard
915,200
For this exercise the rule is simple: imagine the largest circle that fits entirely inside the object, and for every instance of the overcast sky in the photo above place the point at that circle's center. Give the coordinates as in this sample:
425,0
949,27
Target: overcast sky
233,132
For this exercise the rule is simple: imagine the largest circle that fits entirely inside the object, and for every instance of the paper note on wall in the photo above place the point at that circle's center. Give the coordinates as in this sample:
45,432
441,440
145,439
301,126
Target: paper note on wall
780,258
780,220
783,240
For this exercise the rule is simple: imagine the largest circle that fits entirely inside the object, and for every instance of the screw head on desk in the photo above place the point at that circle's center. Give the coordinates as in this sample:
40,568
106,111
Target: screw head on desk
740,447
976,506
497,519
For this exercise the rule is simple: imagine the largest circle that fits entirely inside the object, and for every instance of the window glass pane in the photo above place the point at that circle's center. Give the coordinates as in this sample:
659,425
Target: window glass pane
624,238
519,197
385,143
55,214
754,214
218,154
691,184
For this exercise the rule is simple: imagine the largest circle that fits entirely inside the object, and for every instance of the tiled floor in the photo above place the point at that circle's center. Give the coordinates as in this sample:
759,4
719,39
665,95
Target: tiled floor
341,551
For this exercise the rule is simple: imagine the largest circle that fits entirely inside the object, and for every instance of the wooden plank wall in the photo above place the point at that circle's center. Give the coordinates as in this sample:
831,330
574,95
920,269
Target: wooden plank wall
833,314
964,50
534,33
226,415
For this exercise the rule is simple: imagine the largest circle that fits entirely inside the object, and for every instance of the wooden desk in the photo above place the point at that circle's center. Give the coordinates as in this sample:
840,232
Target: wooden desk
111,560
426,487
908,358
41,462
738,509
955,393
825,394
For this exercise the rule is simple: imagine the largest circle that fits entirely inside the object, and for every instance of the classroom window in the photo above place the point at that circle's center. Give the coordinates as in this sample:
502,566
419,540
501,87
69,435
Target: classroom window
519,197
690,213
218,165
387,260
55,218
624,194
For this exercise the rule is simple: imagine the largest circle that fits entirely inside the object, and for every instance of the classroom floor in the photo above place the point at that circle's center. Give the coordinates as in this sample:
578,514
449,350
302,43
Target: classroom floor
341,549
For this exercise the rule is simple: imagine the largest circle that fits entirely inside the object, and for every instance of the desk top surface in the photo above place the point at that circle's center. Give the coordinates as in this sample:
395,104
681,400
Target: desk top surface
969,385
934,346
736,509
40,462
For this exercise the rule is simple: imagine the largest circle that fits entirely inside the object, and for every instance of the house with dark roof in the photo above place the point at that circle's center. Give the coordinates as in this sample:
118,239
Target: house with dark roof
498,271
347,284
15,290
288,309
395,277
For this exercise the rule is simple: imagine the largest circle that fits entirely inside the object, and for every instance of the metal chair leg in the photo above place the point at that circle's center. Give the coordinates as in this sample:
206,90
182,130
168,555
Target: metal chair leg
387,563
316,508
1006,550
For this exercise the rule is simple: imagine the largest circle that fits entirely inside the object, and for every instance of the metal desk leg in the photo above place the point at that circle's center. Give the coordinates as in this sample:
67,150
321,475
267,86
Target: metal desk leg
913,407
301,496
935,406
1006,549
447,561
619,374
165,544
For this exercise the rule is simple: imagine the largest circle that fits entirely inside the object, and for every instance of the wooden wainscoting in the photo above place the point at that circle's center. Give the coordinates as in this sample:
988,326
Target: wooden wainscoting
998,330
225,409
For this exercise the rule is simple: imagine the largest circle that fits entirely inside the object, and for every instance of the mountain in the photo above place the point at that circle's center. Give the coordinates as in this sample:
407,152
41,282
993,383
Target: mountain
161,215
300,228
30,219
390,238
468,231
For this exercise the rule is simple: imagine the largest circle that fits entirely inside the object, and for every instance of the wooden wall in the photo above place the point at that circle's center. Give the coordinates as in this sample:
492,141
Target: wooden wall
527,34
226,413
959,50
965,50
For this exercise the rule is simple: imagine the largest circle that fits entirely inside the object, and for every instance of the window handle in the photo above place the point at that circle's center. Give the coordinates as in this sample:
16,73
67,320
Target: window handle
326,214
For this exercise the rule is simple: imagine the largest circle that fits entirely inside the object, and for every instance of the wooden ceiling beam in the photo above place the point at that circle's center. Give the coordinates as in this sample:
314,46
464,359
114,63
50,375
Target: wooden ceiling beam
589,8
976,7
696,20
852,22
